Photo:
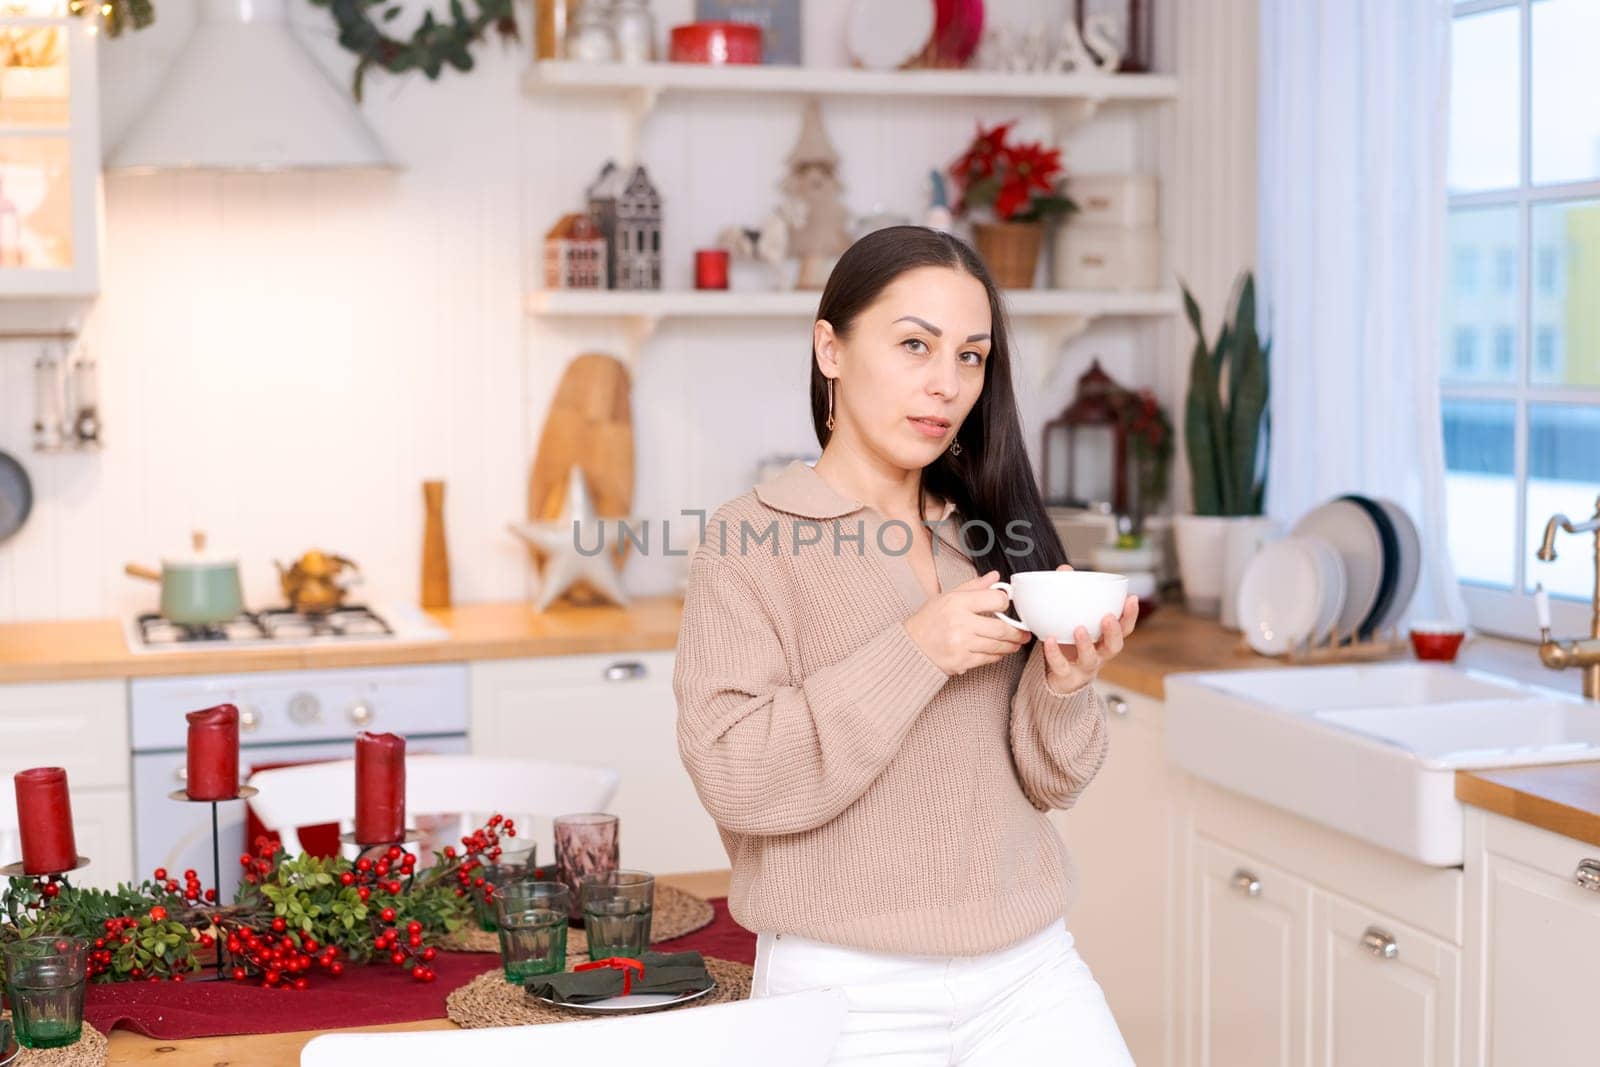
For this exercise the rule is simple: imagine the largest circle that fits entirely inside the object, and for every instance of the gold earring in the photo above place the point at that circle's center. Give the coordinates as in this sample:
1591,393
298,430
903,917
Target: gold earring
955,448
829,423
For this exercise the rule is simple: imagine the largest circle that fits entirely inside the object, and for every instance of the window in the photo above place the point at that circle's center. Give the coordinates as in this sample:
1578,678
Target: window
1522,419
1505,269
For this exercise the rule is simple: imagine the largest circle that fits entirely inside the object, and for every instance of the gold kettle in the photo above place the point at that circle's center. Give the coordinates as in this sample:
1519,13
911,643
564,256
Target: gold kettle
317,582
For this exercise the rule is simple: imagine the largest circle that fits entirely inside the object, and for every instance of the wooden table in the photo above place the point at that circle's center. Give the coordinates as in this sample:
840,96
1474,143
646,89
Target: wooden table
251,1050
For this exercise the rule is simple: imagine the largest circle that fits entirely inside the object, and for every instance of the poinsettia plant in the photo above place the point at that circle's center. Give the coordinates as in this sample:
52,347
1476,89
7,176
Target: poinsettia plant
293,916
1017,182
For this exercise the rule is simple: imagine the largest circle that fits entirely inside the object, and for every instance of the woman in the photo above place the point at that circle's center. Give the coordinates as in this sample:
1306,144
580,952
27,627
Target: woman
877,748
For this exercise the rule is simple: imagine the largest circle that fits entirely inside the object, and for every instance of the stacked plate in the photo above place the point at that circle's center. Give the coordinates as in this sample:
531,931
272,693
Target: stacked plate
1347,570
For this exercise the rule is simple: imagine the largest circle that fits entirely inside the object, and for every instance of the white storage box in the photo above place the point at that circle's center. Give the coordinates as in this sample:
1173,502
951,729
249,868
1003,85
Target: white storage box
1113,199
1107,257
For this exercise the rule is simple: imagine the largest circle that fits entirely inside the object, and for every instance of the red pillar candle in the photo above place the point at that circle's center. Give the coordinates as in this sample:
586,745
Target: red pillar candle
380,788
44,817
214,753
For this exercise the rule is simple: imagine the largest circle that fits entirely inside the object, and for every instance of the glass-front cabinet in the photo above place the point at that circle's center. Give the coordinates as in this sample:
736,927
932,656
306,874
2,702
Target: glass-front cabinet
49,152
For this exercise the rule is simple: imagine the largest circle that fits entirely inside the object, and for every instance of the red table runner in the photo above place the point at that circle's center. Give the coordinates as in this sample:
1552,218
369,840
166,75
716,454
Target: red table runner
362,996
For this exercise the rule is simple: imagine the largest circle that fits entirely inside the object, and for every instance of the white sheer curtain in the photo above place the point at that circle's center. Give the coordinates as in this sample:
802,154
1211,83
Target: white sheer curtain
1354,114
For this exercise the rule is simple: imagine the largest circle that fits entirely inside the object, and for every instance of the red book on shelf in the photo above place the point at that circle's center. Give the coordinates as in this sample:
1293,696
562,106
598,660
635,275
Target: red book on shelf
380,788
44,821
214,753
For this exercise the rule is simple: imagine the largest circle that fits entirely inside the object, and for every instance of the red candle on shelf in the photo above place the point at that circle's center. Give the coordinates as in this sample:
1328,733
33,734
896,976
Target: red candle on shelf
380,788
214,753
711,268
44,818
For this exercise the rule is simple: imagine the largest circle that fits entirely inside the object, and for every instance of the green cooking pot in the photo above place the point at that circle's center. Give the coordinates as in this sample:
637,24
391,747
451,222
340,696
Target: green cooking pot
196,590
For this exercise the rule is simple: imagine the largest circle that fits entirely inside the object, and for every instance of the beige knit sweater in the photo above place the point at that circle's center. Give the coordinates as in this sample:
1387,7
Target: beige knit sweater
865,797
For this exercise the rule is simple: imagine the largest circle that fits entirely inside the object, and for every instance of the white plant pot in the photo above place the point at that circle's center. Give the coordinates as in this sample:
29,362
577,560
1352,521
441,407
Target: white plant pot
1200,541
1241,540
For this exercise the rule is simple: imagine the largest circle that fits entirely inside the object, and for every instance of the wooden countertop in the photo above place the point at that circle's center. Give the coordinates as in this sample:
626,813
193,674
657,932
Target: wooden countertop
96,648
1563,798
237,1051
1167,642
1171,642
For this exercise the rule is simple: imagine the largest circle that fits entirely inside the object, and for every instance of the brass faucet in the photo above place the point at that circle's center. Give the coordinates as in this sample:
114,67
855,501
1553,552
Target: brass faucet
1583,653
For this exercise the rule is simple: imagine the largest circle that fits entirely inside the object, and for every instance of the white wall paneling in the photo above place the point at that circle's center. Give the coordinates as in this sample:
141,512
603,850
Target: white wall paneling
284,358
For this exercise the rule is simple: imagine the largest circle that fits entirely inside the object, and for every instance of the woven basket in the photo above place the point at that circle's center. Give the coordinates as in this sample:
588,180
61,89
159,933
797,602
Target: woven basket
1011,250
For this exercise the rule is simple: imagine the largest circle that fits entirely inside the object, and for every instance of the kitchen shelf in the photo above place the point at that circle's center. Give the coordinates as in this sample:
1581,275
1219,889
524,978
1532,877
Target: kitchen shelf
745,78
1064,313
1074,98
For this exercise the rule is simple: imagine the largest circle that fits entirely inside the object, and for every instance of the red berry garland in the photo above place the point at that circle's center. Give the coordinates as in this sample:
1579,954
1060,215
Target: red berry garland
294,917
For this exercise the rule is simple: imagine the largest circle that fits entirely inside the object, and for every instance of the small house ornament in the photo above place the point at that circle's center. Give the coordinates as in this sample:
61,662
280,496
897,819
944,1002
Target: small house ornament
575,253
628,208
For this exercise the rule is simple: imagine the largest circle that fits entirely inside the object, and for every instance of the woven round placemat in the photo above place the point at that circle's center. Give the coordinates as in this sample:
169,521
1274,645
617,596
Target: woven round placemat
490,1000
676,913
88,1051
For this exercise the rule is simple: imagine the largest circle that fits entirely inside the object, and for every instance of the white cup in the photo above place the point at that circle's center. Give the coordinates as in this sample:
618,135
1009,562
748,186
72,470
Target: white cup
1056,603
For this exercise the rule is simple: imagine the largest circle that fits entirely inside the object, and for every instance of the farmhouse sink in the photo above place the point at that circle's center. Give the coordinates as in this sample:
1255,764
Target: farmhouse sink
1371,750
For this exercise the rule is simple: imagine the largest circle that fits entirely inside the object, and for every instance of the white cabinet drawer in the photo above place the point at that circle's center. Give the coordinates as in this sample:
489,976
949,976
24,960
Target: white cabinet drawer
1385,992
82,726
1115,258
1113,199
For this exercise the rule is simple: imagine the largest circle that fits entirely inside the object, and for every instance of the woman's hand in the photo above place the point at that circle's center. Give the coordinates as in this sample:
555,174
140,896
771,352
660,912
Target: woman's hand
1075,666
958,630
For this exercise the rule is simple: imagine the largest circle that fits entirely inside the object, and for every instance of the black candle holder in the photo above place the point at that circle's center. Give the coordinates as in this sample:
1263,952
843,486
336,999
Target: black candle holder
16,870
245,793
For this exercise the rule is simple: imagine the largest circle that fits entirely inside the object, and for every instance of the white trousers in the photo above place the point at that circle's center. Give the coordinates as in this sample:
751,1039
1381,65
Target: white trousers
1034,1002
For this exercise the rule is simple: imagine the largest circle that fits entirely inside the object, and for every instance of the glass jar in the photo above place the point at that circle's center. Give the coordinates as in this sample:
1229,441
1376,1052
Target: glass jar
635,29
590,39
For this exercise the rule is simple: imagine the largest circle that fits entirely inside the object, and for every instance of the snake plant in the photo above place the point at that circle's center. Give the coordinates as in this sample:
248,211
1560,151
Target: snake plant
1226,437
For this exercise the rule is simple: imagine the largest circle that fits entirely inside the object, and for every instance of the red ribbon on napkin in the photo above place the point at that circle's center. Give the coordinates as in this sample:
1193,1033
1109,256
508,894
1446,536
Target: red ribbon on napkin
625,964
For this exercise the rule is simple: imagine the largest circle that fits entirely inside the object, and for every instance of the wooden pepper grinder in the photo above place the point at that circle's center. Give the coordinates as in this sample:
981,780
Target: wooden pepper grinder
435,556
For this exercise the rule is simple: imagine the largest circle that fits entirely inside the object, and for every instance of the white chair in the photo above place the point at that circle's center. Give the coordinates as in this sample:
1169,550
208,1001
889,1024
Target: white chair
788,1030
472,786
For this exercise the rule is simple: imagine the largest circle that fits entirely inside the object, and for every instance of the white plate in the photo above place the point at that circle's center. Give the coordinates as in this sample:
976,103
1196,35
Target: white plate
884,34
1330,587
1410,562
1351,532
1280,596
633,1003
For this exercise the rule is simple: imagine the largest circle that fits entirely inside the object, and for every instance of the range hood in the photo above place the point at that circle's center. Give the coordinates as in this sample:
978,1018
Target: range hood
245,95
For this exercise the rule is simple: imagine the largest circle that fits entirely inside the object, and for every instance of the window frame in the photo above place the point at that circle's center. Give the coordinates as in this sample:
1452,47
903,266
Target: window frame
1491,609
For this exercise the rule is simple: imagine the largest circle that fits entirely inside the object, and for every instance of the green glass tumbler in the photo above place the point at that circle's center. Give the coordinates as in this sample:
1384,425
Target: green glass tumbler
617,911
45,978
532,921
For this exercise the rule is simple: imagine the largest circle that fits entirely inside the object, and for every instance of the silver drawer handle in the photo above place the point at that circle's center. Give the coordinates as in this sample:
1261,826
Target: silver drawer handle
1588,874
1379,943
1118,705
1246,883
626,669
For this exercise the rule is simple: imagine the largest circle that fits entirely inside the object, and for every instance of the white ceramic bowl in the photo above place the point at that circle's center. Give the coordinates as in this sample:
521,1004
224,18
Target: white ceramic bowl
1056,603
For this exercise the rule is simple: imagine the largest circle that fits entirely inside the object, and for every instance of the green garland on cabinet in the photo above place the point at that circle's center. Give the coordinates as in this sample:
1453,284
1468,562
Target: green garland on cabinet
431,46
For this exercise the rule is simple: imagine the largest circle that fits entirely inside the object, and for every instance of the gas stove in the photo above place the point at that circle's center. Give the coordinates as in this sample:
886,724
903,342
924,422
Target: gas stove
271,627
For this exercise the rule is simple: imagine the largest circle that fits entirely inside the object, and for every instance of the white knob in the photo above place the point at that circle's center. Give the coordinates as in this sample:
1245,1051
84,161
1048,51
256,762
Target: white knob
361,713
249,717
305,709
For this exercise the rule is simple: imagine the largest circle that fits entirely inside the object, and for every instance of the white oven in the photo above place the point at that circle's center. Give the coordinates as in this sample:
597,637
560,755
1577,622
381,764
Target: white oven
285,717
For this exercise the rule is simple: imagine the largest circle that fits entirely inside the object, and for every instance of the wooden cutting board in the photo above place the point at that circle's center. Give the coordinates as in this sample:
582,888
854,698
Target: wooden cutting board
589,427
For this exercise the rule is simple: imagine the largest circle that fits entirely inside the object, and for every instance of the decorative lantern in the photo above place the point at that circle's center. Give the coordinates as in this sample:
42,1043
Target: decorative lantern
1086,447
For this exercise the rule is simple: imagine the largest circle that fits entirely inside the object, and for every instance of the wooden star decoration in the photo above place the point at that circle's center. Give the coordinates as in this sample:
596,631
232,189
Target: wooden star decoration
565,566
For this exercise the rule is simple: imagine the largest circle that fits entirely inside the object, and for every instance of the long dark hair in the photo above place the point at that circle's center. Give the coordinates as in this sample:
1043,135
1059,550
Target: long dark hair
992,480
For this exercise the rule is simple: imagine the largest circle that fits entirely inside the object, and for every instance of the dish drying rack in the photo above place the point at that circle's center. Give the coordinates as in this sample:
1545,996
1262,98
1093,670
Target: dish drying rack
1383,644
